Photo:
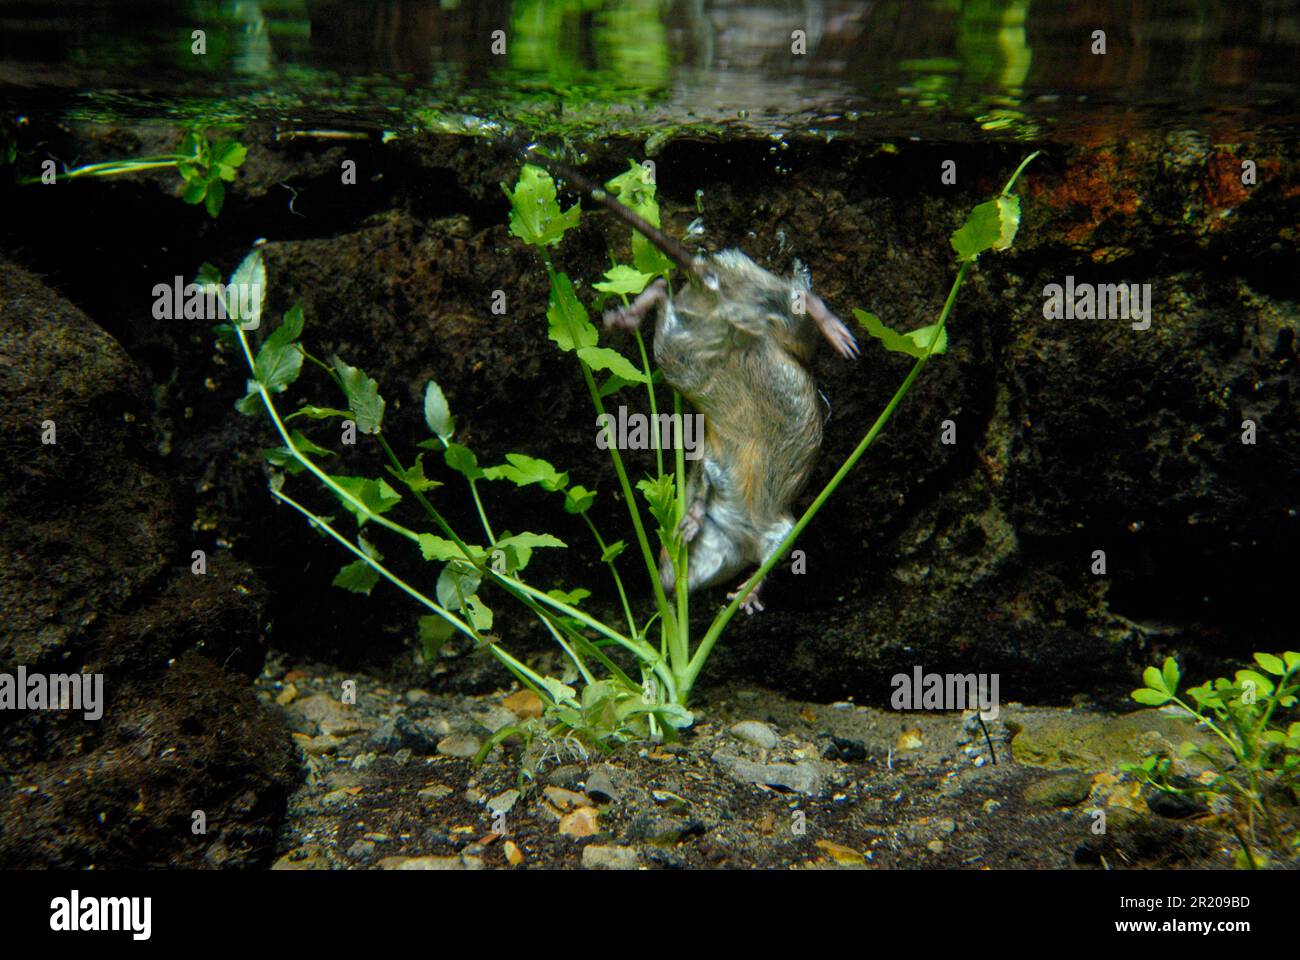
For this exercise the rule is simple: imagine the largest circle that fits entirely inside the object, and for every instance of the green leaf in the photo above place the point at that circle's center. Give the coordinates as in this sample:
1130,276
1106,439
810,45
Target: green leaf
357,577
436,548
478,612
283,456
229,153
922,336
612,551
366,404
523,470
433,632
636,190
557,691
569,327
462,460
623,280
914,344
208,274
377,496
437,414
613,383
215,197
661,494
318,413
250,274
1271,664
1154,679
194,191
1292,659
1263,685
457,582
603,358
192,144
250,403
1169,674
535,216
413,476
571,597
1153,698
990,226
519,547
278,363
293,322
578,499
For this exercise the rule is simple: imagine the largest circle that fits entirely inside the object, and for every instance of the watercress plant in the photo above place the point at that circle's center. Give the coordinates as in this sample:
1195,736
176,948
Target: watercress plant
635,676
1254,755
205,168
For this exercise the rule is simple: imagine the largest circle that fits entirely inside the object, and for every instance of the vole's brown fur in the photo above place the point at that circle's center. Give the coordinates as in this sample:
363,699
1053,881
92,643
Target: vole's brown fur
737,343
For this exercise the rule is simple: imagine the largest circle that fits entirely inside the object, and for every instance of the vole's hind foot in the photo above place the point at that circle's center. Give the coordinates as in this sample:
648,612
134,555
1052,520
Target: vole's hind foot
629,318
751,604
832,328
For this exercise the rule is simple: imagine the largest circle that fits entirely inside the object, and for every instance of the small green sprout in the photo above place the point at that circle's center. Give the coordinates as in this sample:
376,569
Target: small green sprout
1253,758
205,168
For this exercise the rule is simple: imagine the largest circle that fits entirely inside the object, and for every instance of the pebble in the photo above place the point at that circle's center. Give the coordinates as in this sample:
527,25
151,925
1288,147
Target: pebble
422,863
503,802
459,745
910,740
523,704
583,822
802,777
564,799
755,732
1059,790
361,850
596,857
607,783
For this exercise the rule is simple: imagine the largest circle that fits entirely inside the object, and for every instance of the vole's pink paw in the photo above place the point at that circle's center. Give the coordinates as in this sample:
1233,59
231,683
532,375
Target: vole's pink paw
842,340
751,604
621,319
689,528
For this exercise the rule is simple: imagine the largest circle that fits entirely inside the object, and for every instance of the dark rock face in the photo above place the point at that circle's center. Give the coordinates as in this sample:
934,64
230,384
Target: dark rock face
96,579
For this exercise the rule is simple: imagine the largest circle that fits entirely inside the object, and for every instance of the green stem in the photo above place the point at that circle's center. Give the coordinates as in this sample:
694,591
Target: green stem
654,405
613,570
681,649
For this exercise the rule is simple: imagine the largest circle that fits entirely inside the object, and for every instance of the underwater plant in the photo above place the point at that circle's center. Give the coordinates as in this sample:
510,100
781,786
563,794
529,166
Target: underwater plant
205,168
1252,757
635,676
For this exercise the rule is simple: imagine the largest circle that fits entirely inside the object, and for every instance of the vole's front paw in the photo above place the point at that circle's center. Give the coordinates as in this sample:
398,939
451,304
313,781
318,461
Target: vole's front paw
689,528
621,319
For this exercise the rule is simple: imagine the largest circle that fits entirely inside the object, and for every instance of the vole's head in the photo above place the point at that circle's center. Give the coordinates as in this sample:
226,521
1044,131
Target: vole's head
736,293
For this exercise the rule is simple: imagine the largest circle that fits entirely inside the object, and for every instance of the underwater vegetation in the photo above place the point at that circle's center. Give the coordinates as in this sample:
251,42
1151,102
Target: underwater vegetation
1254,759
204,166
614,704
